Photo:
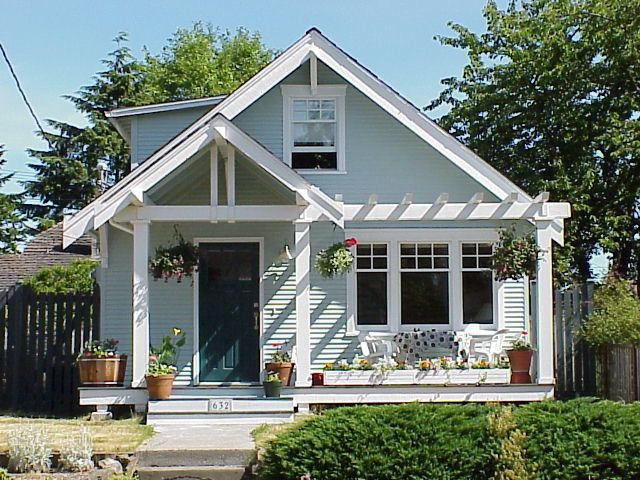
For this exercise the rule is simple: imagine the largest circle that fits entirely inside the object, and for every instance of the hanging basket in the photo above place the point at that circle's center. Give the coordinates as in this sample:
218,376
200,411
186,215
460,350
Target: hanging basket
515,257
175,261
335,260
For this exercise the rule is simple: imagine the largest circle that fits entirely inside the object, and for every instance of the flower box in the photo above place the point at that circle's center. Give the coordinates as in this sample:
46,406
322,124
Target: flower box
416,377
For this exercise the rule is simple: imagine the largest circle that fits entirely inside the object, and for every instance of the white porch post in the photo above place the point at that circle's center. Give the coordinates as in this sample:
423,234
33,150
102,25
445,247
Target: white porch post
303,311
544,305
140,307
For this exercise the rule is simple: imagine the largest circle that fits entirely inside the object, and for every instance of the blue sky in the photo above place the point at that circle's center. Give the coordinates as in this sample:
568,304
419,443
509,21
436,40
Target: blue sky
57,46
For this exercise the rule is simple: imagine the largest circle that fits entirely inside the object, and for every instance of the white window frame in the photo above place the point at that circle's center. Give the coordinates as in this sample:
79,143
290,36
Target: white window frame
394,237
377,328
495,286
322,92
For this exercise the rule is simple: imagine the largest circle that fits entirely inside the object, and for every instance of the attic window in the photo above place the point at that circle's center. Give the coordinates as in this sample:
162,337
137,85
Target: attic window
314,128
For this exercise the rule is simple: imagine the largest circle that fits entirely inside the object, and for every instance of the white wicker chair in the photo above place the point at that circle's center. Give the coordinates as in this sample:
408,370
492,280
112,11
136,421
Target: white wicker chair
491,349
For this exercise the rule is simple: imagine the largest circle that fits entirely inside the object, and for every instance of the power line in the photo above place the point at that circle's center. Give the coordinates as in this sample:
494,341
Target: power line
23,94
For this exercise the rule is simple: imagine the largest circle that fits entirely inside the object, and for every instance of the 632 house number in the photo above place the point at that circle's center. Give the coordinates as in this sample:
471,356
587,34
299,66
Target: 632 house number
220,405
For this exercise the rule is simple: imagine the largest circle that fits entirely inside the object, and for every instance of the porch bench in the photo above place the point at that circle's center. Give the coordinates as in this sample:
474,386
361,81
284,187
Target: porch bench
426,345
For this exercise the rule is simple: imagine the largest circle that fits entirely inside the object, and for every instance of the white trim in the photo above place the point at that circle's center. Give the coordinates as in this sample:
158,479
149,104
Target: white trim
230,175
165,107
543,331
133,142
140,301
195,359
327,92
453,237
302,233
213,175
103,235
205,213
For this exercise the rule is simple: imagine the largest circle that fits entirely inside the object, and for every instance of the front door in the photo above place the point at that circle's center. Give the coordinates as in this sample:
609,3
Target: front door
229,312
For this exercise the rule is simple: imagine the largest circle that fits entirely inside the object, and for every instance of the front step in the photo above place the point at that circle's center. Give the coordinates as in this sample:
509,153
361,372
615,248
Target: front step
192,473
196,457
220,411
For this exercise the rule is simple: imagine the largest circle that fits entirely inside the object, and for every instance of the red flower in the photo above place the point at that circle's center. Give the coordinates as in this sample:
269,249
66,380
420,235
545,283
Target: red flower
350,242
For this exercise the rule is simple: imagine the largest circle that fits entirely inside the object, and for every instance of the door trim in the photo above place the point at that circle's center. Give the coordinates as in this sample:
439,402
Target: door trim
195,360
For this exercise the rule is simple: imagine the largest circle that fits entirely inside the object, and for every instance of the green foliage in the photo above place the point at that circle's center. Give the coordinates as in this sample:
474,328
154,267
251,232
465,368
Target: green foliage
334,261
101,348
73,278
12,227
579,439
550,97
583,438
4,475
383,442
616,316
196,62
514,256
169,350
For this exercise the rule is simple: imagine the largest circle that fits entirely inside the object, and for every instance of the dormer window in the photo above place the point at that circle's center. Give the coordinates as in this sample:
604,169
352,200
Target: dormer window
313,128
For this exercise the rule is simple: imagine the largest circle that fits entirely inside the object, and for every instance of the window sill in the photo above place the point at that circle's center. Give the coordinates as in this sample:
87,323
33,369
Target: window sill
316,171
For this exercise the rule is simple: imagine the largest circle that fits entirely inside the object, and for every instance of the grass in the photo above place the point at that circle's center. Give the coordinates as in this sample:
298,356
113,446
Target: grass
264,433
112,436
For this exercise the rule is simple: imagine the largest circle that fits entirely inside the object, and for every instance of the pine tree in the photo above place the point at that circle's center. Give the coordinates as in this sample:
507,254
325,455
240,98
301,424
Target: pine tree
12,222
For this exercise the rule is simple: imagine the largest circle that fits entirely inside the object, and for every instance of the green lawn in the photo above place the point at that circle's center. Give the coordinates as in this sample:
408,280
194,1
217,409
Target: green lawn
113,436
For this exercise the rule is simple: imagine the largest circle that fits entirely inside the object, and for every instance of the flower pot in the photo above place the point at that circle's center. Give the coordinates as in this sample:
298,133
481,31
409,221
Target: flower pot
520,361
272,389
159,386
317,379
283,369
102,372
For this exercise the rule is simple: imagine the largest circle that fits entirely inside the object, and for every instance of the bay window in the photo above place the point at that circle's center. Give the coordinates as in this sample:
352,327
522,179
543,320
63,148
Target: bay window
372,283
477,283
424,283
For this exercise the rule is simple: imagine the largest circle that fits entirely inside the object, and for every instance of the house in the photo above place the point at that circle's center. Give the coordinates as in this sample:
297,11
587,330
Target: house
312,150
43,250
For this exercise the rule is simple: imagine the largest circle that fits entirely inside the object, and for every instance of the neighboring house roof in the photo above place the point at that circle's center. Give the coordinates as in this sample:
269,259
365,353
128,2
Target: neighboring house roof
121,117
312,45
44,250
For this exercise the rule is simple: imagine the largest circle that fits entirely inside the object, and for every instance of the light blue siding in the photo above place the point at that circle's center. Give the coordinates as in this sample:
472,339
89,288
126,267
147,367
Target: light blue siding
382,156
151,131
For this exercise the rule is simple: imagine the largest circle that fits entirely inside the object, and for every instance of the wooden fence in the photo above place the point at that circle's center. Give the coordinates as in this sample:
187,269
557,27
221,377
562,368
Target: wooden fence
610,372
42,334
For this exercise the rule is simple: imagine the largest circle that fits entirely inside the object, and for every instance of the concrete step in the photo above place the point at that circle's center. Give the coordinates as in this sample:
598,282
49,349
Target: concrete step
195,457
221,405
161,419
193,473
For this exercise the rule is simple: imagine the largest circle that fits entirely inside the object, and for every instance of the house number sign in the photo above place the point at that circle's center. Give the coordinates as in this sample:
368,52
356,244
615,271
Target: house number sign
220,405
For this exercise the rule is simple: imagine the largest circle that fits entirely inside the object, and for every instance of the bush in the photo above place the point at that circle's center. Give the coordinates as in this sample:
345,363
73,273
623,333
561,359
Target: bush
74,278
408,442
579,439
616,316
76,454
28,449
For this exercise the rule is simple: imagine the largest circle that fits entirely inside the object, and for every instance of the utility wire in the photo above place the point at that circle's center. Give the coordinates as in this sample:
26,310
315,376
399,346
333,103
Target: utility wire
23,94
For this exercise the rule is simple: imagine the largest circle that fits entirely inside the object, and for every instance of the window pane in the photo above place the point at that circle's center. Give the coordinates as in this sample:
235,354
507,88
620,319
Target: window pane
425,262
440,249
364,263
363,249
380,249
313,104
485,249
425,298
312,160
468,262
477,297
299,115
379,262
327,115
424,249
440,262
407,249
408,262
468,248
484,262
314,114
372,298
314,135
328,104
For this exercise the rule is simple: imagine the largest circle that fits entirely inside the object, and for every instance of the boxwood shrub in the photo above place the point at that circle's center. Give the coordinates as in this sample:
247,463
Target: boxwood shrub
580,439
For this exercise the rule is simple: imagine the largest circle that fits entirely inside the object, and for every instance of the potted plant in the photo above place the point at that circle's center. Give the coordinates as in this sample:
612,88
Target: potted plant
520,355
281,363
175,261
515,256
336,259
162,367
272,385
100,365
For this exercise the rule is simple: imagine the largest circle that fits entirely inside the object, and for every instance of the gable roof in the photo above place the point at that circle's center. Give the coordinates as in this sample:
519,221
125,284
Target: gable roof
44,250
199,133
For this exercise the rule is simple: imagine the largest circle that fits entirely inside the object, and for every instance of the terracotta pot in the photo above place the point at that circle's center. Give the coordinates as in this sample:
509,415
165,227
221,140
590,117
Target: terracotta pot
317,379
520,361
283,369
159,386
272,389
102,372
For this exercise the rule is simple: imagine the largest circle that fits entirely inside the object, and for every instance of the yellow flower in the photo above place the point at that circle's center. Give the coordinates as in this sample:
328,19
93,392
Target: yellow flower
176,331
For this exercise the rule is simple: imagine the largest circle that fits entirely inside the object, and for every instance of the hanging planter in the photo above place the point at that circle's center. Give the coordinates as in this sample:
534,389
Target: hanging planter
515,257
175,261
335,260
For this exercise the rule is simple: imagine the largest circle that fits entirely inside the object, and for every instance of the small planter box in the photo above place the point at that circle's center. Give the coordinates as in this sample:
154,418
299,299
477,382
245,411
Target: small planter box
102,372
416,377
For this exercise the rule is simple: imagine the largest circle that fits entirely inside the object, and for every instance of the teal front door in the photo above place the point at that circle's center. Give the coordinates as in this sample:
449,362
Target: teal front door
229,312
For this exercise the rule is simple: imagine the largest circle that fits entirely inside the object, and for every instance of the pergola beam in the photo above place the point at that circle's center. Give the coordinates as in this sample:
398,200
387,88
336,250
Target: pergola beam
206,213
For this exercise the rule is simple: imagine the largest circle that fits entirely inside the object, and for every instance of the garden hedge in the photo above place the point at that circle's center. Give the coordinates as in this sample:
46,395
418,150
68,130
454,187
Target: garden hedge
579,439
